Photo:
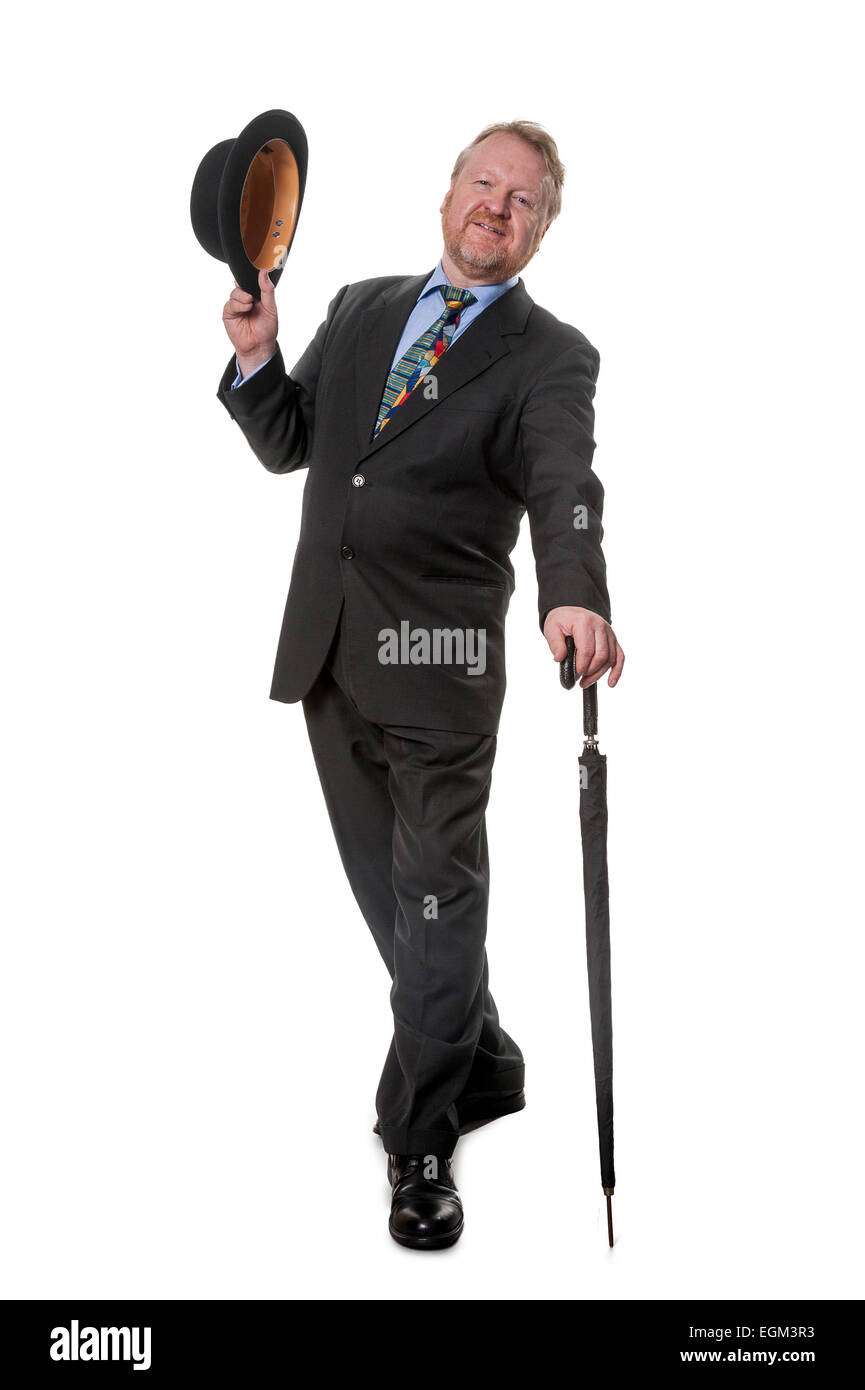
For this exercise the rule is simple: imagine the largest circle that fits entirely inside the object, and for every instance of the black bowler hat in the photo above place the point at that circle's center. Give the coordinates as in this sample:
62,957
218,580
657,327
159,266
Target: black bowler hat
247,194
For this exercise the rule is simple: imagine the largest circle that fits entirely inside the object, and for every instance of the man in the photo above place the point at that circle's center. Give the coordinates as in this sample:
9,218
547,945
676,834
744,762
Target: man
432,411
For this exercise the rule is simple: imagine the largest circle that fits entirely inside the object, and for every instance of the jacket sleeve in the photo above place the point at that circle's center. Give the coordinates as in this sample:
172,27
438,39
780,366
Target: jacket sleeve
275,408
563,497
240,378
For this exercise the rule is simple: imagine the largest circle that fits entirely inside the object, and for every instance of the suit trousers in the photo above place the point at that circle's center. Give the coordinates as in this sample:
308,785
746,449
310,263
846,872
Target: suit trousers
407,806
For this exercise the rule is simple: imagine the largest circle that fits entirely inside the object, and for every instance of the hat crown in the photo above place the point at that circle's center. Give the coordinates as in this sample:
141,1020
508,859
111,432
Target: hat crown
204,203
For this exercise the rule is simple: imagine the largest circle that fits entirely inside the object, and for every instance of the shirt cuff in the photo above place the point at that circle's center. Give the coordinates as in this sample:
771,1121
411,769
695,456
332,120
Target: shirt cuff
240,377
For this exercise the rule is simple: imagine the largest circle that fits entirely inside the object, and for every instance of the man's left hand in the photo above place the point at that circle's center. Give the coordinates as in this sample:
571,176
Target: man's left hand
596,648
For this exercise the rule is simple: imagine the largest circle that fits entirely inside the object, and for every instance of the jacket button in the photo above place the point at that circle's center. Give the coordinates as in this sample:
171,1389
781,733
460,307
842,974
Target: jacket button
358,480
347,553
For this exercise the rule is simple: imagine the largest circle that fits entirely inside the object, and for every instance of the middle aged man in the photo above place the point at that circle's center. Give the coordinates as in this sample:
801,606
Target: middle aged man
432,411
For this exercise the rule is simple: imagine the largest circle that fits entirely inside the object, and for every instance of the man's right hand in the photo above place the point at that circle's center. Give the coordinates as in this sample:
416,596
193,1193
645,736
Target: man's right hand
252,324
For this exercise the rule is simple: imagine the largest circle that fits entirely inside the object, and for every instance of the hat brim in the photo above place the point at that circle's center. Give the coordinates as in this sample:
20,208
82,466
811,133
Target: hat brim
260,197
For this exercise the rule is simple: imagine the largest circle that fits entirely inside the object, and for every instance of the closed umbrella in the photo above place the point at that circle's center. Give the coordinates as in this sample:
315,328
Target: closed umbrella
593,827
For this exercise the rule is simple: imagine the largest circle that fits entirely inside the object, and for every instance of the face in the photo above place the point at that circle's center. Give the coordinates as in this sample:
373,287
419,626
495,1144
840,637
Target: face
492,215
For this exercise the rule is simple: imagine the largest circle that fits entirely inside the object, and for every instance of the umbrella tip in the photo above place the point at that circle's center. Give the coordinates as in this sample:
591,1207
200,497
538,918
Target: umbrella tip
608,1193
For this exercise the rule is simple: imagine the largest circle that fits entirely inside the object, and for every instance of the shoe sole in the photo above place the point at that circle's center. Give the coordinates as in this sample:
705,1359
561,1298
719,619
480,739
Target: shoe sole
427,1242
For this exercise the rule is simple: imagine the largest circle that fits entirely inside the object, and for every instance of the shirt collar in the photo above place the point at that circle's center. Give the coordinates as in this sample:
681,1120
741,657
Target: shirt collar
484,294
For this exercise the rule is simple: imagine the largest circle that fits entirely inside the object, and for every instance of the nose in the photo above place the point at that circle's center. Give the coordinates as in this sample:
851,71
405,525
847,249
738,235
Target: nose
497,205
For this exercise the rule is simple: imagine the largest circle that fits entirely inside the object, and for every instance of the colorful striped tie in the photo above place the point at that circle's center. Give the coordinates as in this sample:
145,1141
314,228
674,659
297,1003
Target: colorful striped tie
422,355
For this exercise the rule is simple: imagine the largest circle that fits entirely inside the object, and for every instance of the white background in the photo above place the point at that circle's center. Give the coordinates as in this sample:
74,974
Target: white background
193,1014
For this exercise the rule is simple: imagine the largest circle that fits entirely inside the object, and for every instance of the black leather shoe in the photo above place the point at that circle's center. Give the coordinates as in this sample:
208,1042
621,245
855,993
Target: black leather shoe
426,1212
482,1108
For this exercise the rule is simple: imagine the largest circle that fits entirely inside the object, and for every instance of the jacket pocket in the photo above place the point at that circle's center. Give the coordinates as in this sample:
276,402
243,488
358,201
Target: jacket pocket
462,579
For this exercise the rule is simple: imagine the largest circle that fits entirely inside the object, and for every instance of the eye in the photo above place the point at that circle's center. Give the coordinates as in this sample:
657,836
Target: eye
481,180
521,199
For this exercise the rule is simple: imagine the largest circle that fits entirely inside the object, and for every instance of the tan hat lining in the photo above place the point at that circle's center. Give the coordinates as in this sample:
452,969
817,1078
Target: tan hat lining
269,205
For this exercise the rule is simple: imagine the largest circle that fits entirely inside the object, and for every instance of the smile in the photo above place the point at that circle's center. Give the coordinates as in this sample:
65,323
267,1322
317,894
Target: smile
484,227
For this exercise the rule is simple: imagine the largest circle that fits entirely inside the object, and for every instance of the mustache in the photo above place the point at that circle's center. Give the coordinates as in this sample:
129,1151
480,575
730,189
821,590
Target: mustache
490,222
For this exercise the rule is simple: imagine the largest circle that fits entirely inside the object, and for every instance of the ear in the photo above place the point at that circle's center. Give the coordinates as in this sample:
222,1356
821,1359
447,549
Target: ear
542,234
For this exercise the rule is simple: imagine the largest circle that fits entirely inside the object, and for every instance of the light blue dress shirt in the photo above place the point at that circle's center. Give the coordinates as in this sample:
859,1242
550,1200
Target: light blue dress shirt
429,306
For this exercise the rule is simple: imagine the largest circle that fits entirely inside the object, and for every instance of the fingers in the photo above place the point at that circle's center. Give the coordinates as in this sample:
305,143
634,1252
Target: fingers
594,673
617,666
556,643
593,647
608,657
268,304
238,303
268,293
603,657
241,302
591,654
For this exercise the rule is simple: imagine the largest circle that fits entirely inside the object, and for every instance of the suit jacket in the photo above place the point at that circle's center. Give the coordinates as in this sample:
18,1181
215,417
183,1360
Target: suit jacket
411,533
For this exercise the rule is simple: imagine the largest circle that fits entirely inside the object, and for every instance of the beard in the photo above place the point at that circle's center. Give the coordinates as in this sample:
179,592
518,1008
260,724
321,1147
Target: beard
498,259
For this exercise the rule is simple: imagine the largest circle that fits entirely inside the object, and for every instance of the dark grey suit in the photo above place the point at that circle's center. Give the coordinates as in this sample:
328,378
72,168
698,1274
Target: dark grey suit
411,533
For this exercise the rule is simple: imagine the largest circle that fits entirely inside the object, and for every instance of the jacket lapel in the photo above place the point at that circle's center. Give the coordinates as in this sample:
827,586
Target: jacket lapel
477,348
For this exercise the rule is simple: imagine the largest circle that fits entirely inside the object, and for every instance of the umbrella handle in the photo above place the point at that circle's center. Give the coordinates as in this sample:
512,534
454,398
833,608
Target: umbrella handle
567,674
568,678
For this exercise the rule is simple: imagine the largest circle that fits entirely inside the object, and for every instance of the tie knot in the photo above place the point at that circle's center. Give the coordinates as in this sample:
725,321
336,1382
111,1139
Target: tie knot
456,300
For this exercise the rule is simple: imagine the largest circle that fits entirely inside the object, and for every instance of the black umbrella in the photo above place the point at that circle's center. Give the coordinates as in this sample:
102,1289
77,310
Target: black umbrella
596,886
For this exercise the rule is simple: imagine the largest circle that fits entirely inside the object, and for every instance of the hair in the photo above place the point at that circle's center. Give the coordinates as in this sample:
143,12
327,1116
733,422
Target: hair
539,139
